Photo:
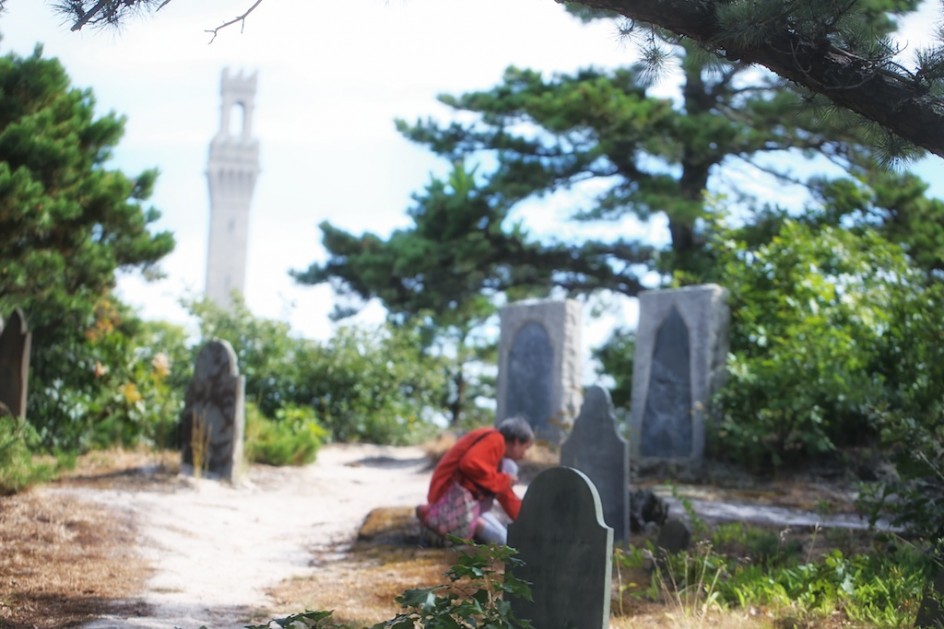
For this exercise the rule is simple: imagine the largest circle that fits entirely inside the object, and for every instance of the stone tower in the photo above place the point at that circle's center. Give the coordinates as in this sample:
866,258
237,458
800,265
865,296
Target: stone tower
231,172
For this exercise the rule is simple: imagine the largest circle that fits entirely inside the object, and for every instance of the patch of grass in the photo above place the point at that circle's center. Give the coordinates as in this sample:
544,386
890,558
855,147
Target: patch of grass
64,561
362,588
763,573
19,469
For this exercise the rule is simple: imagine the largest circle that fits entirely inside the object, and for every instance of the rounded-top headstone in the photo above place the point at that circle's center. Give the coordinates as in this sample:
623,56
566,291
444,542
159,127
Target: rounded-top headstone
567,552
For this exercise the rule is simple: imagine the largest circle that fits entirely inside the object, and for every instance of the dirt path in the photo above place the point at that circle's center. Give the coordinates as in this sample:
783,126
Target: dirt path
216,548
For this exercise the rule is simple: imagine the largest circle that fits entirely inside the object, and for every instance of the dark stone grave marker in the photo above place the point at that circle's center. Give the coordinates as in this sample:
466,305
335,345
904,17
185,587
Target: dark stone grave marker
596,448
567,552
667,422
15,341
213,419
539,363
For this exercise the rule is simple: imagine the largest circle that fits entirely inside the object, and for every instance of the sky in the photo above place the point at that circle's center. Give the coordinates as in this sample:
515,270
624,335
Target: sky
332,77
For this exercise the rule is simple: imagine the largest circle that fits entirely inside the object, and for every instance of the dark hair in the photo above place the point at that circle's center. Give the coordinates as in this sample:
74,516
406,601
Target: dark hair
516,428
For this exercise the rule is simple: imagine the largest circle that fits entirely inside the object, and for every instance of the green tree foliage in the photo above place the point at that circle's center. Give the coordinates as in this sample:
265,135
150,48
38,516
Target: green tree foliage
895,203
598,133
836,341
605,135
809,309
462,254
616,358
372,385
831,49
68,224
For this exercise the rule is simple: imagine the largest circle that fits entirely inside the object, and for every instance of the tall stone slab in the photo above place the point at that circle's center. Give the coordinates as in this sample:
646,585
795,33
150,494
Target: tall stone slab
213,419
596,448
567,551
681,347
15,346
539,365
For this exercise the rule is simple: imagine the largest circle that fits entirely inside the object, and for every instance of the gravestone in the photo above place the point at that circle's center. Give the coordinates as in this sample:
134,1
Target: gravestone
15,341
596,448
213,419
539,365
567,552
681,348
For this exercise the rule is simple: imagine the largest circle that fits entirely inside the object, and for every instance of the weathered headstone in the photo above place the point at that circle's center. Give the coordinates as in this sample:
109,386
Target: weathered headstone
15,341
596,448
567,552
931,612
539,365
681,347
213,418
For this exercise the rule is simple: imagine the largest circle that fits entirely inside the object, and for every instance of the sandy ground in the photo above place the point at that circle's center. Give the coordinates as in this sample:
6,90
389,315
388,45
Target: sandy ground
216,547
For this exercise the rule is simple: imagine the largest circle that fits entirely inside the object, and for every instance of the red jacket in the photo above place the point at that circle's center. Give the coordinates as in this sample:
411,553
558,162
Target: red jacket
475,460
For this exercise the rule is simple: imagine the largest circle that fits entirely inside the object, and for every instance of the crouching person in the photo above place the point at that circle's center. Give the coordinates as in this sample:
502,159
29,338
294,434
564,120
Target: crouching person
475,472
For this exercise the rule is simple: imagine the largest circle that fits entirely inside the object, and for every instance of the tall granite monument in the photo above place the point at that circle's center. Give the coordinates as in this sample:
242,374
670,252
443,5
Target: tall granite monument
539,365
681,348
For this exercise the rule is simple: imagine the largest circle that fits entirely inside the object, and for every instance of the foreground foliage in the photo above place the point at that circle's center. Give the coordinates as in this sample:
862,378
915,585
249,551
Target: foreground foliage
477,595
877,581
18,470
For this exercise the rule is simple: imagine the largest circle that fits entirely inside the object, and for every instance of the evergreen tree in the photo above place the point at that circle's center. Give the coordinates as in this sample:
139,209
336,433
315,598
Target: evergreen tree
447,271
641,155
68,224
829,48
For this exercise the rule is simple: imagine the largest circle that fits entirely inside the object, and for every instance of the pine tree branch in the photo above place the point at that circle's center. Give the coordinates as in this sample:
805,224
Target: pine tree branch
898,101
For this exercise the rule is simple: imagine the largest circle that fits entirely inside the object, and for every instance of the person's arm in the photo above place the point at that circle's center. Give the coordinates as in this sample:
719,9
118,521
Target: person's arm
479,465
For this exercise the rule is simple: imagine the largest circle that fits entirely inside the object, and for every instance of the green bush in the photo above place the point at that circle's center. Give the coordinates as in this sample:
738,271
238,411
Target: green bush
17,468
122,385
292,438
364,384
743,567
809,313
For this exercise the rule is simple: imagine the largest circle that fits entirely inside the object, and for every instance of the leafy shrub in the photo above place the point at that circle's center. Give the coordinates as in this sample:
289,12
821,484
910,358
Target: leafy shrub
809,311
17,469
122,385
741,568
293,438
371,385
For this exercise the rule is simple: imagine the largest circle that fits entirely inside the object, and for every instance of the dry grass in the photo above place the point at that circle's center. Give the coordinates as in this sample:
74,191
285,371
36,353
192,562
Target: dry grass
64,562
361,587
